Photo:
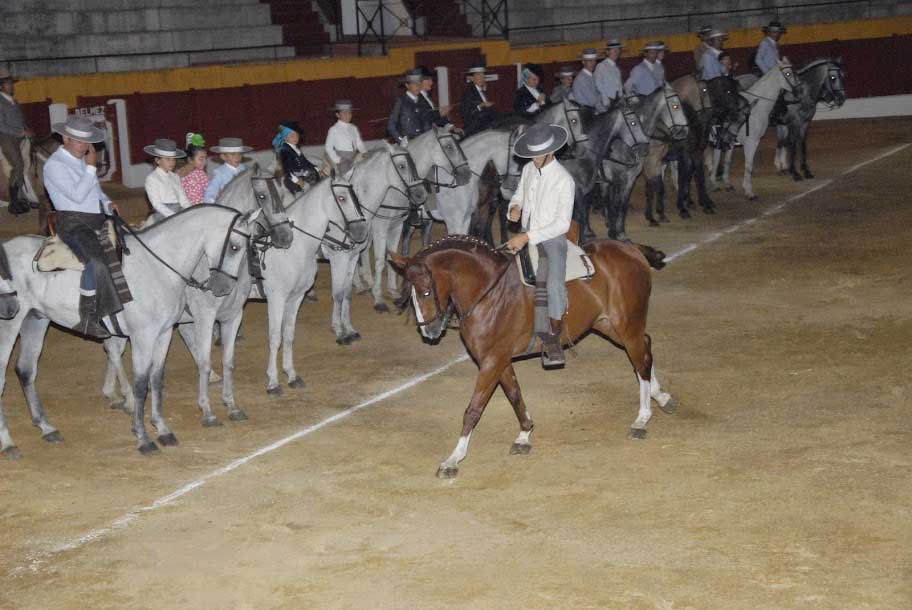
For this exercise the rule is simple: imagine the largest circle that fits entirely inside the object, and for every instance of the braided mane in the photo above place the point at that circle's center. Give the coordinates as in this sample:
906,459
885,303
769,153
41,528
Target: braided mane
464,243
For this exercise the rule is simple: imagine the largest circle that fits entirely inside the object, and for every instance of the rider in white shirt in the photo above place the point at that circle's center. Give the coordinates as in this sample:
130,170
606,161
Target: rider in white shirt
163,186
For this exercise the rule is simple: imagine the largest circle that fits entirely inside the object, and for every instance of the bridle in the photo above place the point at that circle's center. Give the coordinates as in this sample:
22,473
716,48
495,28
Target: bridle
672,104
347,242
788,73
703,97
443,314
189,281
455,164
409,184
572,113
637,136
834,75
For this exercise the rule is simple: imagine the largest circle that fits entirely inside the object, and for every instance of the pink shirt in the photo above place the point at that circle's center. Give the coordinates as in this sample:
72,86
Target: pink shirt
195,184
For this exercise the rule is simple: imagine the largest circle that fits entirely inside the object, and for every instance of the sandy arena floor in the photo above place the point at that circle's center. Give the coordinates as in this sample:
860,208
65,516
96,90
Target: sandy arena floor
783,481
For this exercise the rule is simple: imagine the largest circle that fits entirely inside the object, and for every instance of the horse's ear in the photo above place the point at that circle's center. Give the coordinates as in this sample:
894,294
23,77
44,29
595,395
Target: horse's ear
252,215
397,262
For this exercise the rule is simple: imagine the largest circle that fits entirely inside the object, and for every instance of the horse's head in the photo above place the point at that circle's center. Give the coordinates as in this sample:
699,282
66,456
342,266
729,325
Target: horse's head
569,118
514,168
448,160
833,90
788,80
429,296
672,115
402,175
274,218
347,227
629,128
227,256
703,96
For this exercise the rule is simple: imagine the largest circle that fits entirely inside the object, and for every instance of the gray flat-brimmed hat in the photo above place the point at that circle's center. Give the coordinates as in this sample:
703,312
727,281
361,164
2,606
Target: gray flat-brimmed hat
79,128
343,105
704,30
614,43
656,45
166,149
717,34
566,71
540,140
477,69
589,55
775,26
415,75
230,145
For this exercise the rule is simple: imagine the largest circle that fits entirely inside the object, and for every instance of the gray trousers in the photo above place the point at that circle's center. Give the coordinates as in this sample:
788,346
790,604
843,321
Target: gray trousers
552,270
10,147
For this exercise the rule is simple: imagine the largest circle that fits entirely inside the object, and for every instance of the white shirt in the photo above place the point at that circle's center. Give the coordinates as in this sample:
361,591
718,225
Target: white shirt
9,98
73,185
428,99
165,187
343,137
412,96
481,93
546,200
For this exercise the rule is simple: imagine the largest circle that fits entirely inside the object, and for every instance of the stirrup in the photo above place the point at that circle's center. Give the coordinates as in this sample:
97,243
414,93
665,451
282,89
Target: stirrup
552,355
91,327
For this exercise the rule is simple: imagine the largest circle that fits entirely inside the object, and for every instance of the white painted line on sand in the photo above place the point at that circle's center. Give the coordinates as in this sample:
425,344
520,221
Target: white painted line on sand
35,560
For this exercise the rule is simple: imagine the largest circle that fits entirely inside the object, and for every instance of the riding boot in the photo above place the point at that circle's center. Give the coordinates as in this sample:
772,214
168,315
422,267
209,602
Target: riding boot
552,351
16,206
89,325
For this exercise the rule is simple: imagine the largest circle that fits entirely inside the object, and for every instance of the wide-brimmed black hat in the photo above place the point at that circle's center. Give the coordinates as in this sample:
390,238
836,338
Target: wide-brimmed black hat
775,26
540,140
477,69
79,128
166,149
415,75
343,105
294,126
566,71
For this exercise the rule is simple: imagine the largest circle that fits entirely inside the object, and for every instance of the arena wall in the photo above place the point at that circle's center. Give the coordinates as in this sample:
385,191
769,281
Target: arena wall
249,100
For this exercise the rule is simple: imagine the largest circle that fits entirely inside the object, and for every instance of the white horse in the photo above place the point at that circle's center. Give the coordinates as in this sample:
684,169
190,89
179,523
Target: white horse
158,269
388,186
329,215
762,97
245,193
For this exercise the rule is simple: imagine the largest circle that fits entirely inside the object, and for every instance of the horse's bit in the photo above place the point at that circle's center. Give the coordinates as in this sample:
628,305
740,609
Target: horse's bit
455,165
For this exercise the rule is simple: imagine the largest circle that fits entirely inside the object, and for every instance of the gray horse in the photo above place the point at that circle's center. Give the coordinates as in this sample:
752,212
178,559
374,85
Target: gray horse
327,215
158,270
245,193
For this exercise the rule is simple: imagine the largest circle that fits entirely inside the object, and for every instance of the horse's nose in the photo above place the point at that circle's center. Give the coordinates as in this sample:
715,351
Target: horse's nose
417,194
9,306
679,132
463,175
282,236
220,283
359,231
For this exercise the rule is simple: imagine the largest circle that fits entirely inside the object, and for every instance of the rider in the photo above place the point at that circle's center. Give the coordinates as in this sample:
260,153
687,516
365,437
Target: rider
768,50
585,92
71,183
296,167
478,111
710,66
544,201
649,74
343,141
528,99
431,115
230,151
701,48
564,89
608,79
12,130
406,120
163,186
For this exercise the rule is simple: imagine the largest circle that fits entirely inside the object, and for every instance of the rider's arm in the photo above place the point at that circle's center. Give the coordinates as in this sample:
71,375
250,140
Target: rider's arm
215,186
155,193
392,126
330,146
58,177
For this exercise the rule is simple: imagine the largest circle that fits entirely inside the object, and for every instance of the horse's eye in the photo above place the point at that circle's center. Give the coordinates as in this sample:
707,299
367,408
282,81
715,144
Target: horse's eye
340,199
633,123
573,121
675,106
426,293
235,248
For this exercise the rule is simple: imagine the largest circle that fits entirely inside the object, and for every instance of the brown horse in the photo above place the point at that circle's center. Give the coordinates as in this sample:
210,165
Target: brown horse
496,313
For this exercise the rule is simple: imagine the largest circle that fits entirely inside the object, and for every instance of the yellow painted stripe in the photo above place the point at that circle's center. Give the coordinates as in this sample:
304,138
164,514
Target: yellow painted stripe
65,89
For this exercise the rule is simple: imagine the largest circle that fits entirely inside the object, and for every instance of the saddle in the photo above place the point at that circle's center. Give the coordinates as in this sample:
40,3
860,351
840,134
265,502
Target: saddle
579,265
55,255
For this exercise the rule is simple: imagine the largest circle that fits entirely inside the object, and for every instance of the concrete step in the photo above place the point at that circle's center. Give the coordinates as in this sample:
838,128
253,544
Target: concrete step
113,5
63,23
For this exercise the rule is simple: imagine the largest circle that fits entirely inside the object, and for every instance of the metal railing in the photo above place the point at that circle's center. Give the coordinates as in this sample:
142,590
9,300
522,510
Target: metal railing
691,15
494,15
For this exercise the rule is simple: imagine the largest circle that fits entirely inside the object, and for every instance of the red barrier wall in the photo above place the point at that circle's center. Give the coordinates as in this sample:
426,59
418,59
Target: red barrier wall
874,67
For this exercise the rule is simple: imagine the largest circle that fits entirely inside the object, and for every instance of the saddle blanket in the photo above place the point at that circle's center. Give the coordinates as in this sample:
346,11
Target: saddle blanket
55,255
579,265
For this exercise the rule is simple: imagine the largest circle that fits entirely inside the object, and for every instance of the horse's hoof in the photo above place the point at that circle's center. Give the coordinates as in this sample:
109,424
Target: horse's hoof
12,453
346,340
671,406
709,210
118,405
53,437
653,222
663,218
752,197
168,440
237,415
296,383
148,448
275,390
729,188
355,336
797,177
448,472
685,214
807,174
637,433
210,422
520,449
381,308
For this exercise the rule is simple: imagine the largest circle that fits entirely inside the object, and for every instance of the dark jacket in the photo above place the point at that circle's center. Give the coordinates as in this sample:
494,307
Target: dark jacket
407,118
11,120
430,116
522,99
295,164
475,118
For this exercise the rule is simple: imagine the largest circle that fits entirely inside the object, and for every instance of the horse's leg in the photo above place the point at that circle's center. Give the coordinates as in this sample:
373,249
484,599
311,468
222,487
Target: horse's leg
488,377
32,334
347,270
363,278
406,238
235,413
290,317
522,445
684,176
726,168
780,159
142,353
8,334
116,374
650,195
275,307
198,337
338,265
380,247
750,152
803,143
392,278
163,342
711,160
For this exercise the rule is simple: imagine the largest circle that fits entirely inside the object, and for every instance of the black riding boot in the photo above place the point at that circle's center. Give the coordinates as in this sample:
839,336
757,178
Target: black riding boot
89,325
16,206
552,352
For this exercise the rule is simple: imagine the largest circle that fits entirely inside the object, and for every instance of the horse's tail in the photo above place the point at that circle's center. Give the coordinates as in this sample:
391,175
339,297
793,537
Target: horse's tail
655,258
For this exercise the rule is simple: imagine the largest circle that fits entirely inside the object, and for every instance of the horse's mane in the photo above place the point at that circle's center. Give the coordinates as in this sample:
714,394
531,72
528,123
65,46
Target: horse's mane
816,62
181,212
463,243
